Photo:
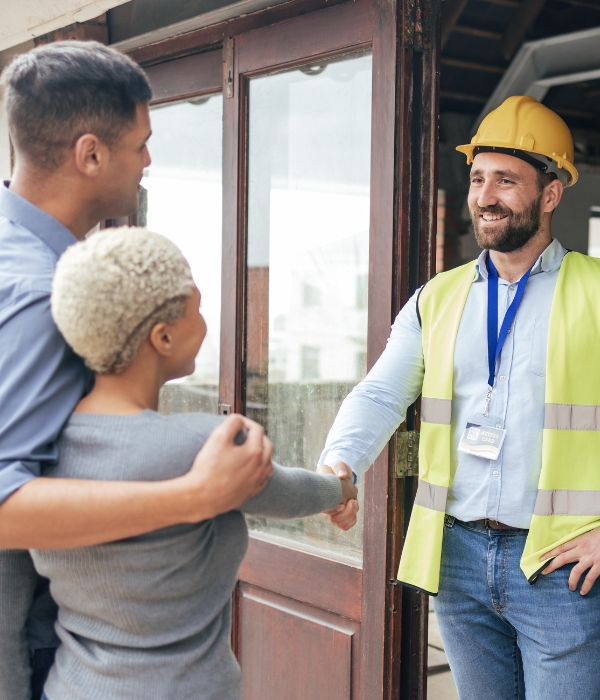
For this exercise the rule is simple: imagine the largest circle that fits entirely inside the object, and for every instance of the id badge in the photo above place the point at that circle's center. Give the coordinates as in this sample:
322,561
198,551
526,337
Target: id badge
482,441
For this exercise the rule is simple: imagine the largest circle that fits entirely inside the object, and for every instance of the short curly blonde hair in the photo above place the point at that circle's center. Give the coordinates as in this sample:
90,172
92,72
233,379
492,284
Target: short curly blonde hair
112,288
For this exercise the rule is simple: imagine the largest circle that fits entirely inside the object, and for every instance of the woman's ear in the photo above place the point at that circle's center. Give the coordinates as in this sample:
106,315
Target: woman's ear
161,339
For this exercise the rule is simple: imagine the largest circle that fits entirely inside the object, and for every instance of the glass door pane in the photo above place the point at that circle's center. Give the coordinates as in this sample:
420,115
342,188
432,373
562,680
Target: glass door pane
308,259
184,192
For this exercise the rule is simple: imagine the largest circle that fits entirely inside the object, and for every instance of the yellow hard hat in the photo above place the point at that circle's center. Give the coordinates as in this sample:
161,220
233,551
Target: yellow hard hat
526,129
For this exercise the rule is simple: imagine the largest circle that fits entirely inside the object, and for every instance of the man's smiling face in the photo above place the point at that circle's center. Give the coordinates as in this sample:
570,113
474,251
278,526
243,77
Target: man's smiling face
504,201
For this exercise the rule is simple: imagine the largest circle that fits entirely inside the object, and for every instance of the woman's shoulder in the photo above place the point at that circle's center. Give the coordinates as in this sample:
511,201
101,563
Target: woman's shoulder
202,424
156,446
144,417
197,426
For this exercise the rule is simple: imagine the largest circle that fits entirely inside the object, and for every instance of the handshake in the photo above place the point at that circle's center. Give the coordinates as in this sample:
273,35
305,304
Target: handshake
344,515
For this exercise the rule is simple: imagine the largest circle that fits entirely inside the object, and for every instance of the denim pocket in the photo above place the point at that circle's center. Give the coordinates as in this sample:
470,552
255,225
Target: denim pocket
539,345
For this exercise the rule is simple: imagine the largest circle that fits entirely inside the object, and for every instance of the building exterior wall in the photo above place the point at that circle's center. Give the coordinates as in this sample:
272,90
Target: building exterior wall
5,58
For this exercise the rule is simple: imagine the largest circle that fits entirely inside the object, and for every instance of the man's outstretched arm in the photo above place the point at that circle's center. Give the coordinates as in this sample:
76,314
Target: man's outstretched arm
377,405
374,409
61,513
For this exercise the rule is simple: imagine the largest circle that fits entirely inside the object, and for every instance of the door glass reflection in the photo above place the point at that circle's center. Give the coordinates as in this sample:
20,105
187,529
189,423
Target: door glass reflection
184,192
307,276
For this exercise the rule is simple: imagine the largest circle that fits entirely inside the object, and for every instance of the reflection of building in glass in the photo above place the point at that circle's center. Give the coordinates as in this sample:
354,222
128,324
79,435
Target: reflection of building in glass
185,204
309,136
323,335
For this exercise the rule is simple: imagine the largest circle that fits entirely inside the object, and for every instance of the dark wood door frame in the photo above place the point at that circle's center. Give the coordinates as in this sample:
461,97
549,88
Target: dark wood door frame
416,196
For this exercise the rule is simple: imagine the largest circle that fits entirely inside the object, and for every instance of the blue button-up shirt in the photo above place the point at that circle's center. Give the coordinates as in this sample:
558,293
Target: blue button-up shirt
504,489
41,379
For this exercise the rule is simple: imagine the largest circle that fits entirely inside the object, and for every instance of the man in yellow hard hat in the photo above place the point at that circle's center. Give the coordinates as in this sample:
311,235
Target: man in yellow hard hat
503,352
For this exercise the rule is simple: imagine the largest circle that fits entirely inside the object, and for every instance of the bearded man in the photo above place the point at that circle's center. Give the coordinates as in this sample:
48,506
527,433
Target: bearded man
503,352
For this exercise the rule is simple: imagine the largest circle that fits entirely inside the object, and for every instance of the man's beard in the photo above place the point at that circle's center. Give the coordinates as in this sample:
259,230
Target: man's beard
520,227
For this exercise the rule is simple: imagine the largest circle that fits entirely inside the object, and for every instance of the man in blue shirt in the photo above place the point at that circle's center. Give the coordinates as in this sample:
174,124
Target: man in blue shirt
79,121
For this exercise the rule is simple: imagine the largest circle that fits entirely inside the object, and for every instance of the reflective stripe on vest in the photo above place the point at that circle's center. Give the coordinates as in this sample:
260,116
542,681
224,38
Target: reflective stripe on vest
566,502
441,305
431,496
436,411
566,416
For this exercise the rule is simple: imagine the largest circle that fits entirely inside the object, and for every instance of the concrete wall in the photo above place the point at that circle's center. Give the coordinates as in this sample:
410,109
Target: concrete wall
5,58
571,220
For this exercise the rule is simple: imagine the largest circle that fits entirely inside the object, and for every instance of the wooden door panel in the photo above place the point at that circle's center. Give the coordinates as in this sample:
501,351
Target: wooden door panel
302,575
293,651
195,75
338,28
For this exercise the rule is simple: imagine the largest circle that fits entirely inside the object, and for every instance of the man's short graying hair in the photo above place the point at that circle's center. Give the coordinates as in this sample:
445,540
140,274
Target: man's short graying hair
112,288
58,92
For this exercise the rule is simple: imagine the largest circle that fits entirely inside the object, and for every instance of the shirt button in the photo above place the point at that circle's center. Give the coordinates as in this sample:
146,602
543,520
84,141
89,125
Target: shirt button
512,287
495,473
502,377
498,425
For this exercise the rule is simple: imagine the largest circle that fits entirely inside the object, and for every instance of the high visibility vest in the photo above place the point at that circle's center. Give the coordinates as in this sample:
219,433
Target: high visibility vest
568,497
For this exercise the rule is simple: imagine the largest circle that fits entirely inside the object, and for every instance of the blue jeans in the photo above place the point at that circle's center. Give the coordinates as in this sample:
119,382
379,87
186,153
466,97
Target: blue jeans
507,639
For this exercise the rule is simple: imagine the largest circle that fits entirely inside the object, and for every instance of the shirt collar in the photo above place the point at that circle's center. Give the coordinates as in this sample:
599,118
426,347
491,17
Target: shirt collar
549,260
25,214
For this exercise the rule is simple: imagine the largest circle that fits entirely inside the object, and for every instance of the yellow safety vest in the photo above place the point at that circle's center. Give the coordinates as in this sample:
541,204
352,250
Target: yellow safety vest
568,496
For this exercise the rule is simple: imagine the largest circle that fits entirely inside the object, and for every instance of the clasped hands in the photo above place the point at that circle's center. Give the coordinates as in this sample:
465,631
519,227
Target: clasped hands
344,515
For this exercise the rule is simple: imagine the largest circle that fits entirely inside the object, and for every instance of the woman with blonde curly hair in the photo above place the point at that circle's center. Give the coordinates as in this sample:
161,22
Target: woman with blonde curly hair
147,617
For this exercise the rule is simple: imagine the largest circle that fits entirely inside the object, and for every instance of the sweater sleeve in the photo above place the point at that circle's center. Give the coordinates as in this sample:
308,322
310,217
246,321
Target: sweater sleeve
295,493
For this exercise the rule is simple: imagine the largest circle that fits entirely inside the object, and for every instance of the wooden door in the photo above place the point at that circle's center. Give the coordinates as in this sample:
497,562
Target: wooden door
319,132
317,614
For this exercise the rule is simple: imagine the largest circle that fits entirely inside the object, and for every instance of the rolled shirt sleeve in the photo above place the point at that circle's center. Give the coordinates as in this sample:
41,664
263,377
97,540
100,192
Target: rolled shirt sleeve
377,405
41,381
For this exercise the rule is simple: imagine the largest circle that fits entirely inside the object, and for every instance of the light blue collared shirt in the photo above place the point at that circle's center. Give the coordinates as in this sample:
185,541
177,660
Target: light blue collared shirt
41,379
504,489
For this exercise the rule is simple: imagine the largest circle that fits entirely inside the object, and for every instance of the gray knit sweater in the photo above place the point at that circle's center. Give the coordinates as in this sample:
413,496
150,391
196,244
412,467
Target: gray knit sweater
149,618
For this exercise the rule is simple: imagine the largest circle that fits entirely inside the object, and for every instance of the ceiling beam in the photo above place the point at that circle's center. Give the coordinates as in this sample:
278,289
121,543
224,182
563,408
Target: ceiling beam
451,11
475,31
589,4
462,97
519,25
565,58
574,113
505,3
471,65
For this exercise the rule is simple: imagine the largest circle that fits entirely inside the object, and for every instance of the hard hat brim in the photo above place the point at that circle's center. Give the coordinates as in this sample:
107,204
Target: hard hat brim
468,149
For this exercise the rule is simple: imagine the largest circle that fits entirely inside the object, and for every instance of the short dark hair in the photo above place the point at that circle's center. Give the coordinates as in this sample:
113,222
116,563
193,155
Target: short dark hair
58,92
544,179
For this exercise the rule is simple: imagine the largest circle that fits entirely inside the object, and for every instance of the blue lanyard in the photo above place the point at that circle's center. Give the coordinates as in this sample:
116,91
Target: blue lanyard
496,340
